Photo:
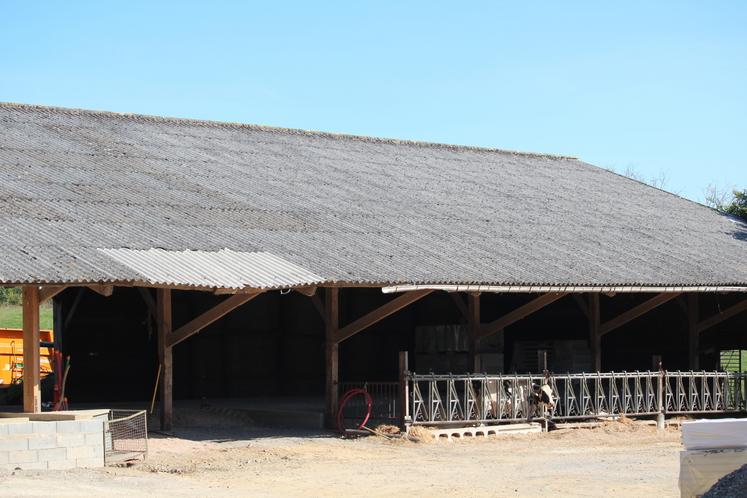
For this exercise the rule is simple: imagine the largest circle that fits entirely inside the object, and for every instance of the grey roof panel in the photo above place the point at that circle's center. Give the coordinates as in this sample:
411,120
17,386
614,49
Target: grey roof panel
223,269
346,209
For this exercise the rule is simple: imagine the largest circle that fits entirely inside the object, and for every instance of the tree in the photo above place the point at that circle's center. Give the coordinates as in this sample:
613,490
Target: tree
734,204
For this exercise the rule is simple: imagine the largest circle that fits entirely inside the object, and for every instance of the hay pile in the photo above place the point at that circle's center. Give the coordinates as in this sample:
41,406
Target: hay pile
419,435
387,430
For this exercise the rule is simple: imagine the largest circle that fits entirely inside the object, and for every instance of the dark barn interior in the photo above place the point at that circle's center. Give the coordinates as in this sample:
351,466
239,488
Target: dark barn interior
274,345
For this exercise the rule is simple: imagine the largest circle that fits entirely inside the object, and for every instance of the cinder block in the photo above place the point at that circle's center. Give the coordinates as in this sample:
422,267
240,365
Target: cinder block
44,427
68,426
13,443
98,450
80,452
92,426
52,454
3,429
61,464
96,438
42,441
71,440
3,457
23,456
20,428
90,462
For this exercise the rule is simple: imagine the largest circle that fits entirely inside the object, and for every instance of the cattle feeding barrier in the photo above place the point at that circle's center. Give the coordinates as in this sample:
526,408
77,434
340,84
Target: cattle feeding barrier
442,400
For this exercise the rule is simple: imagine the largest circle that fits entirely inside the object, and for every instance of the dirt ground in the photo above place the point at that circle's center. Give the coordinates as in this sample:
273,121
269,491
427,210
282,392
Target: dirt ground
617,459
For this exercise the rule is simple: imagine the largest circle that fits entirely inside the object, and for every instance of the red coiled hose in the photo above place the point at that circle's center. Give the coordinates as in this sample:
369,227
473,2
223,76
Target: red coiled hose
347,397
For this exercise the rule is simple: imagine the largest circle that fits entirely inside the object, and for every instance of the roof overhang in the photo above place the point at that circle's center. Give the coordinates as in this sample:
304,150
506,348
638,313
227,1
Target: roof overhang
564,288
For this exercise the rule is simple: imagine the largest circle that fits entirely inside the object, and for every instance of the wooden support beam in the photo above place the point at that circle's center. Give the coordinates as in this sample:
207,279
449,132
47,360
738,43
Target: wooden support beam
459,302
582,304
31,357
636,311
723,315
74,307
213,314
104,290
331,353
48,292
380,313
519,313
319,305
306,291
163,319
692,331
595,337
149,301
404,390
473,321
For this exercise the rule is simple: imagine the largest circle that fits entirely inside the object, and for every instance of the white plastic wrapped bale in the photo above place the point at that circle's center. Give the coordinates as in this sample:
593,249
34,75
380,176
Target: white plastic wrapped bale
711,434
713,449
701,469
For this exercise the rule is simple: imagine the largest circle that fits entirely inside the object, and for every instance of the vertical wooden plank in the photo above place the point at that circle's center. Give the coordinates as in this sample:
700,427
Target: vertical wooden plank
332,325
693,316
473,320
595,336
404,389
31,356
163,320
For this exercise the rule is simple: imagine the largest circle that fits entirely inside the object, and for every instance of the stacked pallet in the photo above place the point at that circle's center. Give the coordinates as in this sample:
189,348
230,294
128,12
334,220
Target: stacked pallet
713,449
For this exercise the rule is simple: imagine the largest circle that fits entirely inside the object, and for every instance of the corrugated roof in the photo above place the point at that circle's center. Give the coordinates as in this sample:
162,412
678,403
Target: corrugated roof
348,209
223,269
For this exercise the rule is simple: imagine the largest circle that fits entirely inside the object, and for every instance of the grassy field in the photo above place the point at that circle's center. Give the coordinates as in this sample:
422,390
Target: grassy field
11,316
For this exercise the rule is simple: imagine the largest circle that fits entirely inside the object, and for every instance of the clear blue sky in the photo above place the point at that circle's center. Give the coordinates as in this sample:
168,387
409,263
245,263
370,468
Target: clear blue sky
659,86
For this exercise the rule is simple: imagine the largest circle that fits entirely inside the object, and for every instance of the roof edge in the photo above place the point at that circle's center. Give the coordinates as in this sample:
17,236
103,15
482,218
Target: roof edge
570,289
279,129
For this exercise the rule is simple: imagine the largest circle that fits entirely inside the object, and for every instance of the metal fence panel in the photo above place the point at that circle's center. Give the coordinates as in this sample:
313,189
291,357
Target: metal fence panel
456,399
125,434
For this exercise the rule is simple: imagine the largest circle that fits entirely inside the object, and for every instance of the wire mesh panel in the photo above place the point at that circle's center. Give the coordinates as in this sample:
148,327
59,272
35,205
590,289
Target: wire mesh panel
385,396
126,434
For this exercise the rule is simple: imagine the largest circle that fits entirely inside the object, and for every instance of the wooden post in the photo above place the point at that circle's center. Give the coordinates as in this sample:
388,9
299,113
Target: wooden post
595,336
163,320
331,349
473,319
693,332
404,390
31,357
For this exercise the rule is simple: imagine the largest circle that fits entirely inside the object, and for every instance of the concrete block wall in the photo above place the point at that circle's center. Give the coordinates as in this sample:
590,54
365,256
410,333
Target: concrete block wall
51,445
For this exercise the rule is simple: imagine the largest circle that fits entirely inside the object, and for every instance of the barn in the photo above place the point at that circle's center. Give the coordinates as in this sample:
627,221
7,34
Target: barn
236,261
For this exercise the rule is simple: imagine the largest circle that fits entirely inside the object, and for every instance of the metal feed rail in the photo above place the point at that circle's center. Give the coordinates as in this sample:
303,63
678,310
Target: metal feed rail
456,399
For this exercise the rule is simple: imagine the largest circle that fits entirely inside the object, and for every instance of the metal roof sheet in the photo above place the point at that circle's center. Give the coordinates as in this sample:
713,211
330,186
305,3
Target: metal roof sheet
224,269
352,210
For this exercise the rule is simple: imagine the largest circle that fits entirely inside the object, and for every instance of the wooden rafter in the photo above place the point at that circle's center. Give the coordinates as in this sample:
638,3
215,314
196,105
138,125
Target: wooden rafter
519,313
306,291
48,292
380,313
319,305
724,315
213,314
636,311
459,302
104,290
149,301
582,304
